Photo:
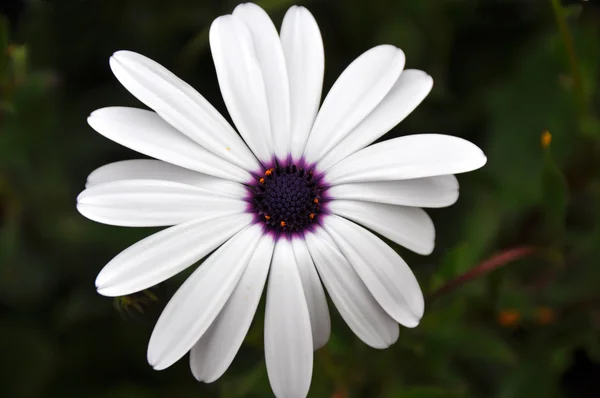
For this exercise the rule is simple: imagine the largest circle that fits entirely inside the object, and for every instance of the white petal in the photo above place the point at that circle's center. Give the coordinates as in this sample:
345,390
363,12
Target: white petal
146,169
288,339
181,106
272,64
358,90
213,353
351,297
150,169
315,296
200,299
412,156
242,84
438,191
385,274
146,132
410,227
153,203
305,60
164,254
407,93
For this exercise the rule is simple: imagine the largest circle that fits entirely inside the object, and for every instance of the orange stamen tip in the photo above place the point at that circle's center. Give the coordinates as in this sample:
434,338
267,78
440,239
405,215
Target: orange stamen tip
267,217
316,200
282,223
269,172
509,317
545,315
311,215
262,180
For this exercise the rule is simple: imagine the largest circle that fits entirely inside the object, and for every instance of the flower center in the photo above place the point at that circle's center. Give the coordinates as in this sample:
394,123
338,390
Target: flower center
287,198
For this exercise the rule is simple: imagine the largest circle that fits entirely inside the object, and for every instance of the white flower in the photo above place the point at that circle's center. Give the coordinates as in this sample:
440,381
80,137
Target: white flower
285,199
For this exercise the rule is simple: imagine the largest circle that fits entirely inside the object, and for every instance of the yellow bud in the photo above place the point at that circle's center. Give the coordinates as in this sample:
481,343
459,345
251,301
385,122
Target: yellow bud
546,139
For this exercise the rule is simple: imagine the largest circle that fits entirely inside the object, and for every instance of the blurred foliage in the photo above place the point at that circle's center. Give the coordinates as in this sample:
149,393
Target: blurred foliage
507,73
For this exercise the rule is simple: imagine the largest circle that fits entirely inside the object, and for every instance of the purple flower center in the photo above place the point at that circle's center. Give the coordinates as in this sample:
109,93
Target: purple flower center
287,199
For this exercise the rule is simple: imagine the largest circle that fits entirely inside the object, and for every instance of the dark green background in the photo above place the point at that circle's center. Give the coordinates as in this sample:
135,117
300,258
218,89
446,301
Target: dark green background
504,72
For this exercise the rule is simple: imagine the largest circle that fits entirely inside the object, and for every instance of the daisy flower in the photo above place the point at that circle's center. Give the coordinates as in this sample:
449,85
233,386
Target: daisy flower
290,199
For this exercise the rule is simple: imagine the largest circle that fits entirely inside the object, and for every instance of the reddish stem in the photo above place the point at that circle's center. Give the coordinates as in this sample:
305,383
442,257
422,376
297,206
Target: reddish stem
486,266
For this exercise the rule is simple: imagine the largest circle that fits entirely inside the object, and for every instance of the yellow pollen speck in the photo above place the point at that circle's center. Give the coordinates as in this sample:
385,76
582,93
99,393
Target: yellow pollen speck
267,217
311,215
316,200
282,223
546,139
229,149
262,180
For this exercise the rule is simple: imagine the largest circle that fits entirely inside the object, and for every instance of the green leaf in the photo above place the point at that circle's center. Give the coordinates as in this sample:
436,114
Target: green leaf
423,392
242,386
555,194
515,160
18,56
475,342
3,46
478,231
485,344
529,380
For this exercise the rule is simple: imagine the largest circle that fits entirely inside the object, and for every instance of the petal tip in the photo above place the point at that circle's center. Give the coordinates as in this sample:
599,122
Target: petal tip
320,344
153,357
247,5
124,56
428,82
120,53
427,250
413,324
483,160
93,117
100,113
82,208
79,198
104,287
159,367
116,54
198,378
386,342
210,379
115,59
298,11
106,291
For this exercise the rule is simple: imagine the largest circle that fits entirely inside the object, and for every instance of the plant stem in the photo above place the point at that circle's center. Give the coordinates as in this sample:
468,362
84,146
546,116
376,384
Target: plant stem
485,267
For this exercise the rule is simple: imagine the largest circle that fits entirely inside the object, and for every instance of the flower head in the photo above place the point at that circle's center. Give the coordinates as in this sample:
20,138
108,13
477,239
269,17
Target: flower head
282,200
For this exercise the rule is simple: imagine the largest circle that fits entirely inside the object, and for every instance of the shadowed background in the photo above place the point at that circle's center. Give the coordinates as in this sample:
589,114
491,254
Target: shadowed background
513,284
